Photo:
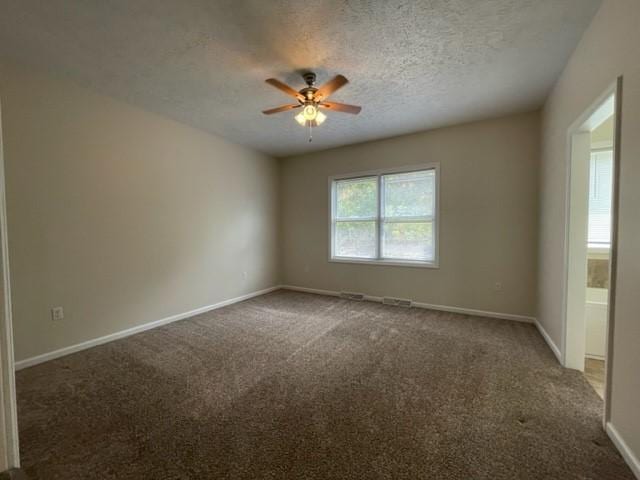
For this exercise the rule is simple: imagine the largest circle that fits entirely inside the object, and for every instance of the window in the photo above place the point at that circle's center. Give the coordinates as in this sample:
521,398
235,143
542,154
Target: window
385,217
600,191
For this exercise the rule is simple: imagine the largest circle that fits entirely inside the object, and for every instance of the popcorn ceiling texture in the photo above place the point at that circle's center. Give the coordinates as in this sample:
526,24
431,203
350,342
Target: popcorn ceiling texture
412,65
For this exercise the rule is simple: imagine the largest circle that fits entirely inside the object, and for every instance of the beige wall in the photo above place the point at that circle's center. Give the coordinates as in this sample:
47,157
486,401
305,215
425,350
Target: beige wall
488,216
122,216
603,135
609,48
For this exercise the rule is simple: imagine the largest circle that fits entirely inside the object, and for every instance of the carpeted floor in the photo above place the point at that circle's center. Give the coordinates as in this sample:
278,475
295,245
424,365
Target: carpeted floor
299,386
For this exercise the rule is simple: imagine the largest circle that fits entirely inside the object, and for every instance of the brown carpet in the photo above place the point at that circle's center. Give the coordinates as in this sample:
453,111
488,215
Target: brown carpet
299,386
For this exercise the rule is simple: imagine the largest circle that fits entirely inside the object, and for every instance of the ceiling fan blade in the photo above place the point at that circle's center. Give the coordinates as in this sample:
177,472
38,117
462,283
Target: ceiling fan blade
283,108
341,107
331,86
284,88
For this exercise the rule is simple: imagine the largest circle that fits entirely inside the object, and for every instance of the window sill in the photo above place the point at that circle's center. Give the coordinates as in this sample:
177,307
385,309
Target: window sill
388,263
598,249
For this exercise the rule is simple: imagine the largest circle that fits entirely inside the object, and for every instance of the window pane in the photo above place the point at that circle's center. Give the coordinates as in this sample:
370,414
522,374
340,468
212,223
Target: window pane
408,241
355,239
409,194
600,190
357,198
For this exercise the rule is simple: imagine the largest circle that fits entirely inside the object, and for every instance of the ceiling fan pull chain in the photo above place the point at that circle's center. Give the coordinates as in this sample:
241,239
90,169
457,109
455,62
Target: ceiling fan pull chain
310,132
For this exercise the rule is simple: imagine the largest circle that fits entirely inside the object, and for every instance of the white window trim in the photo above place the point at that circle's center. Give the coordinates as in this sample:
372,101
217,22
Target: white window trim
378,261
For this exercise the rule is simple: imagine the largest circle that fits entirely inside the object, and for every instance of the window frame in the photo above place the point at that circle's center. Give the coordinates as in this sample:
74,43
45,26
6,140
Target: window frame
435,263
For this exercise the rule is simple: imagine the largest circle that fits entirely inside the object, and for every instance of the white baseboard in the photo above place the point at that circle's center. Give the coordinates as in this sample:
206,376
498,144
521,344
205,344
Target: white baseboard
428,306
594,357
623,448
554,348
132,331
317,291
477,313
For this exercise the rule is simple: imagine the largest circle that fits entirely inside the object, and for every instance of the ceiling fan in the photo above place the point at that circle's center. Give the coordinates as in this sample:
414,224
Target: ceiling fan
312,99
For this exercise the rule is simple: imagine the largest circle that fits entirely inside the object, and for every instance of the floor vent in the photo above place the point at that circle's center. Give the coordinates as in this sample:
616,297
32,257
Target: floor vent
352,296
397,302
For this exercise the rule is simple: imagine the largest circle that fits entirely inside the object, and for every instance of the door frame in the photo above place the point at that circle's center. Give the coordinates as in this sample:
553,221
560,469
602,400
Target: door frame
9,445
575,129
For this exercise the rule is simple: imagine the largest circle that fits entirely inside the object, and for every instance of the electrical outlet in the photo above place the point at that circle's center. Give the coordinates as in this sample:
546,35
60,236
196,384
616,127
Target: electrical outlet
498,286
244,275
57,313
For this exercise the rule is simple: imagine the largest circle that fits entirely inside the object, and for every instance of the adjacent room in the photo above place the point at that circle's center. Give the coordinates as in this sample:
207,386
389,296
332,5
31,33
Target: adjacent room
319,240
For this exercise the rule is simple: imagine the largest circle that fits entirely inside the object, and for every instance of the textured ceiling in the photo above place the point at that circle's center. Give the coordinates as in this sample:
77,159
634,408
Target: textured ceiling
413,65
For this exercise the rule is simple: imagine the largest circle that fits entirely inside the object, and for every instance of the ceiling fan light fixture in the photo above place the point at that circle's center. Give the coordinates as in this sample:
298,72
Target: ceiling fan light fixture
319,120
300,119
310,112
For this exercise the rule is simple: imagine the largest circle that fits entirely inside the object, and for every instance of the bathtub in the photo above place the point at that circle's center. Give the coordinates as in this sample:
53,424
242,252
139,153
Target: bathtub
596,322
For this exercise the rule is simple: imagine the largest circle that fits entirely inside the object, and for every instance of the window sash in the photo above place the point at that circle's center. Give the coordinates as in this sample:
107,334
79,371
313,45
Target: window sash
421,219
356,219
354,180
431,251
381,220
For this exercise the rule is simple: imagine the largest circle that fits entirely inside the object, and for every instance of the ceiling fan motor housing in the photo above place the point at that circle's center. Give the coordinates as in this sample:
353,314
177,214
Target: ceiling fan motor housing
309,78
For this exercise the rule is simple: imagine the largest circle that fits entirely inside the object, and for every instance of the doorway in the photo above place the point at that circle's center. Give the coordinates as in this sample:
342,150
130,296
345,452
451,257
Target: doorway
590,239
